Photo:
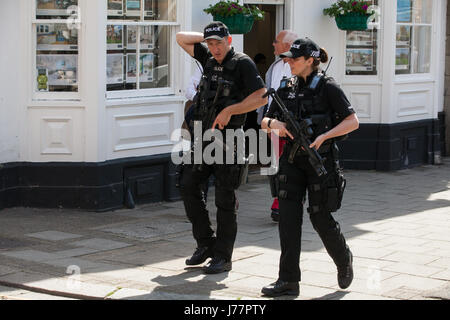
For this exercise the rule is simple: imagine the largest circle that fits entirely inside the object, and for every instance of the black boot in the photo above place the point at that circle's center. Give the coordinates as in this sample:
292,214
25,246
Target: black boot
281,288
200,255
345,273
275,215
217,265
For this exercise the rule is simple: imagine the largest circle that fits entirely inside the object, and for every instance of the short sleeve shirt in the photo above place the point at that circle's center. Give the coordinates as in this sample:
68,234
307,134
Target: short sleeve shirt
247,76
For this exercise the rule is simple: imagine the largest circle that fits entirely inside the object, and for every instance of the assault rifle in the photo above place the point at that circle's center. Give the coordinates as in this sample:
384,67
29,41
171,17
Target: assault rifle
302,133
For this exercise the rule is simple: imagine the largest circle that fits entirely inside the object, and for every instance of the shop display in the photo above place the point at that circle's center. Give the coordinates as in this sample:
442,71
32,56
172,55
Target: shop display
55,7
133,8
360,38
146,68
61,69
402,59
361,53
114,37
146,37
403,36
114,68
115,7
362,50
360,60
129,36
56,37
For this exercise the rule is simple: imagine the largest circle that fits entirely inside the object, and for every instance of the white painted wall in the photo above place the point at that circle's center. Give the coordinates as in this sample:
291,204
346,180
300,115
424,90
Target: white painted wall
385,98
11,81
94,129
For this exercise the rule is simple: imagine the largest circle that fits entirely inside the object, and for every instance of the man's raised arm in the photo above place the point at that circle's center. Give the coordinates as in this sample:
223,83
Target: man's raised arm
187,40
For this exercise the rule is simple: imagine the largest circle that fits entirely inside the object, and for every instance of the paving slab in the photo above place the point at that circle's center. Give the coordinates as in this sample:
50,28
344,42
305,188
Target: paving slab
442,293
100,244
53,235
401,247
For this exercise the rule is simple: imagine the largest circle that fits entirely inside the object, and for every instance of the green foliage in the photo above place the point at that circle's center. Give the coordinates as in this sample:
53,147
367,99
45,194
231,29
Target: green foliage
343,7
230,8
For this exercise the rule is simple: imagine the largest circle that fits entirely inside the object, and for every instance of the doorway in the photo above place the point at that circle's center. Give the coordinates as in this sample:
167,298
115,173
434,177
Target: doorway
258,45
258,42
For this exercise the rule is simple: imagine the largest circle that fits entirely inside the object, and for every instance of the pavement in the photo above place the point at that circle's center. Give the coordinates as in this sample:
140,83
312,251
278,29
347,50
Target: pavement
397,225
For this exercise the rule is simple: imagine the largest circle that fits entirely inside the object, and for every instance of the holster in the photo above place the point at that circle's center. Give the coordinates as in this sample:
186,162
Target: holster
336,183
328,195
233,176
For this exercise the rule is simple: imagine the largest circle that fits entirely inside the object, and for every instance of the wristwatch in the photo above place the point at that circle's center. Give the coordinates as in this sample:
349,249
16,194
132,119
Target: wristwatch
268,123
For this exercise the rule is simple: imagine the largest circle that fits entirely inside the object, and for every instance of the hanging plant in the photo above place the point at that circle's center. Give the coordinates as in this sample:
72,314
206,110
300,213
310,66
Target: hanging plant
350,14
238,18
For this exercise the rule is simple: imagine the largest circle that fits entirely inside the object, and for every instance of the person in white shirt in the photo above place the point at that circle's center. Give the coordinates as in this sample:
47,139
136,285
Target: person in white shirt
191,90
279,69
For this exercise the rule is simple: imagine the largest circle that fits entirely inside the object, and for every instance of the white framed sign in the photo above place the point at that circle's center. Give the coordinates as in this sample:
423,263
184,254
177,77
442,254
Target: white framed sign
146,37
360,38
146,68
115,7
55,7
56,37
133,8
61,69
114,37
114,68
402,59
359,59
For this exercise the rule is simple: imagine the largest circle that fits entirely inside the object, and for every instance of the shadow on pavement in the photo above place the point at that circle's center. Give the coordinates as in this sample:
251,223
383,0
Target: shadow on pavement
136,248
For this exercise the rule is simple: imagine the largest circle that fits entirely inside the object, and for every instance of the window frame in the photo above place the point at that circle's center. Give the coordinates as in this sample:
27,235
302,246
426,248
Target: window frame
55,96
376,24
172,51
432,26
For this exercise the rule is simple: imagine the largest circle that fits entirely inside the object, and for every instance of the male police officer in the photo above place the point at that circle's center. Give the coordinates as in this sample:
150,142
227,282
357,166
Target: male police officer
245,89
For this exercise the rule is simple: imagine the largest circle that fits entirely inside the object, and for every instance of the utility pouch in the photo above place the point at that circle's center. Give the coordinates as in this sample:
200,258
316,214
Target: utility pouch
336,192
233,176
230,176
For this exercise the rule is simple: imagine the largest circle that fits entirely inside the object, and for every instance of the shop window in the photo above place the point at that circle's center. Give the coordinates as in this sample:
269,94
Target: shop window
362,48
56,28
138,37
414,30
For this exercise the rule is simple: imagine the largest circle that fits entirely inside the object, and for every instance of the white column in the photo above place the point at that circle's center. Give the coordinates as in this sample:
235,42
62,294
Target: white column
11,82
387,51
93,78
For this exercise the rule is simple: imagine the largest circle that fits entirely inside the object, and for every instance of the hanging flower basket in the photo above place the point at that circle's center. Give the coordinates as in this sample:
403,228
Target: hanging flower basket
237,24
352,21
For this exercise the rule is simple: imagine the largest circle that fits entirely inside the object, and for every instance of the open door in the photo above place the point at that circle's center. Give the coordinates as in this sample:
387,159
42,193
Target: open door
258,43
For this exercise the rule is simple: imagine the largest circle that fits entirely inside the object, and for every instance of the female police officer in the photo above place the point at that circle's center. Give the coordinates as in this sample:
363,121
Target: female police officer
313,97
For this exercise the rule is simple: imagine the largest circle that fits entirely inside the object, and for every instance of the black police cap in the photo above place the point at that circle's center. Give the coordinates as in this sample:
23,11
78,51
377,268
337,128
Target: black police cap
302,48
216,30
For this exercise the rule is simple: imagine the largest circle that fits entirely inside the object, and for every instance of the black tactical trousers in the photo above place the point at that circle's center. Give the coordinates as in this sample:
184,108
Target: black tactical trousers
191,192
295,180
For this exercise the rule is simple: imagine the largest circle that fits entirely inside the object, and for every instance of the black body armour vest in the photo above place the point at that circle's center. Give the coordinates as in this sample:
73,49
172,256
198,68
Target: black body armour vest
230,94
309,102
